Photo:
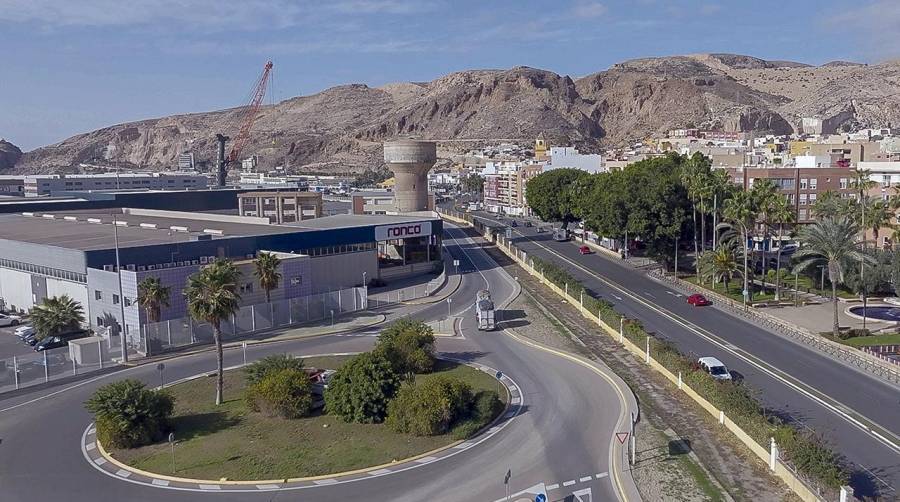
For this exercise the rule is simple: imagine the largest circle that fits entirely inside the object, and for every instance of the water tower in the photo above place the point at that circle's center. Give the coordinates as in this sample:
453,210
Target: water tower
410,161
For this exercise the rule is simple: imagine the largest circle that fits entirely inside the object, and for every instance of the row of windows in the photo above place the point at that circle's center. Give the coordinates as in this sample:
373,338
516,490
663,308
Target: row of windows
41,270
346,248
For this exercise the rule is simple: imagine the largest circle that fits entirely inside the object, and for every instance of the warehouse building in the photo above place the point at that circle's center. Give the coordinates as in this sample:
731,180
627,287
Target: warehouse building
51,253
54,184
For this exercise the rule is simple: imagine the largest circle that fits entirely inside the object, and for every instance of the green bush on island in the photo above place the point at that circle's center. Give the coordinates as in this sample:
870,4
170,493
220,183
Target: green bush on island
127,414
361,389
430,407
258,370
486,407
408,345
285,393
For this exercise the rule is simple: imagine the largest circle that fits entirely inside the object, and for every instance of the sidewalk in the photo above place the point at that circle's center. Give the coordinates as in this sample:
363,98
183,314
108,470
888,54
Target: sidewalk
820,317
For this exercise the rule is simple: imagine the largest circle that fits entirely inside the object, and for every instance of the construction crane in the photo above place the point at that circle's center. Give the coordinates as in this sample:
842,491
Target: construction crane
243,136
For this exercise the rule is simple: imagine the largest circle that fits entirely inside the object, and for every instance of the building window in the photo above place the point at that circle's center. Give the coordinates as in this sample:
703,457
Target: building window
99,321
115,299
813,183
843,183
802,199
812,198
127,301
803,183
98,295
802,214
790,198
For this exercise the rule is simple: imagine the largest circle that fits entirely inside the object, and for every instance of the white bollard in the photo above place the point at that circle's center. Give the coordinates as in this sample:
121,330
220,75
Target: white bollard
846,493
773,454
621,329
721,417
648,350
679,380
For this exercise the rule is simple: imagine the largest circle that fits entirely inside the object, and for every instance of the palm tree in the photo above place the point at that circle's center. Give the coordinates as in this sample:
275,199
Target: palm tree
56,315
720,188
832,242
690,179
830,205
721,263
879,215
152,296
267,272
740,211
765,195
781,213
211,296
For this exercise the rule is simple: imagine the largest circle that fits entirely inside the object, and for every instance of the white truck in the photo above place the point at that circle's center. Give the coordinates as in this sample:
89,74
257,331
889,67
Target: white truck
560,235
484,310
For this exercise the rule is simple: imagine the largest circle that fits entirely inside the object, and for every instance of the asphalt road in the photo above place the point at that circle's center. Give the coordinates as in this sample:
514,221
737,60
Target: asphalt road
11,345
563,437
835,400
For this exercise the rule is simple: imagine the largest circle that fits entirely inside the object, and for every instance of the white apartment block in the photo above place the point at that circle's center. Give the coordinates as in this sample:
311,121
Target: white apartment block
49,184
568,156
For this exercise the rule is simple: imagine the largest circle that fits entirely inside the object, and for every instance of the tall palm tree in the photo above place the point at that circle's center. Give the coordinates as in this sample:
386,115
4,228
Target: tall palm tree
781,213
879,215
267,272
830,205
832,242
690,179
212,295
721,263
56,315
152,296
740,211
721,187
765,195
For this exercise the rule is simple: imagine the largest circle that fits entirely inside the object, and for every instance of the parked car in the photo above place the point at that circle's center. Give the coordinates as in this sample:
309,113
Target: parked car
9,320
540,230
56,341
23,331
698,300
715,368
584,250
30,338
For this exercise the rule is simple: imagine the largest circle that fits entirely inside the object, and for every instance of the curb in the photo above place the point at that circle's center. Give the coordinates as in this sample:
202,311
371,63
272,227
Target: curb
124,471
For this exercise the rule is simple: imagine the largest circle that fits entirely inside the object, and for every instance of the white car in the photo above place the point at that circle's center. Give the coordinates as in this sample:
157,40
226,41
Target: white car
715,368
23,331
8,320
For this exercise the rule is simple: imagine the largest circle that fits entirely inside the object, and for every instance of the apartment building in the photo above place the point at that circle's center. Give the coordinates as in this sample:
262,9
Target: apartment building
504,186
281,207
48,184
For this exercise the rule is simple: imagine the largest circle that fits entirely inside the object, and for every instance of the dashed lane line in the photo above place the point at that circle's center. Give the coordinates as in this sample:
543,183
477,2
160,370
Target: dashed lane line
569,483
160,482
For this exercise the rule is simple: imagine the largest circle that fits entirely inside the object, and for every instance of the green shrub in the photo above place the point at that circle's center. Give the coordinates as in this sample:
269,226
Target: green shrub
430,407
258,370
487,405
128,415
853,333
408,345
285,393
361,389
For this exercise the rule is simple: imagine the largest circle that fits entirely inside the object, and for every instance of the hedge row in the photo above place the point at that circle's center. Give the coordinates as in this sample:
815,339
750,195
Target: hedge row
806,451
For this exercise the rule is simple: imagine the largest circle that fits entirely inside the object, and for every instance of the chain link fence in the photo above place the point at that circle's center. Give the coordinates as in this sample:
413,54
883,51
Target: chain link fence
81,356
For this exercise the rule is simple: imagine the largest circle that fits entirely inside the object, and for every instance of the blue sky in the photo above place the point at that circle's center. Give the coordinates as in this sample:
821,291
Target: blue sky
70,66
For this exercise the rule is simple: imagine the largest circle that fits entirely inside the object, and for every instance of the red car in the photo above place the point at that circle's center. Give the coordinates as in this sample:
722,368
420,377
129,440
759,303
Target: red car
584,250
698,301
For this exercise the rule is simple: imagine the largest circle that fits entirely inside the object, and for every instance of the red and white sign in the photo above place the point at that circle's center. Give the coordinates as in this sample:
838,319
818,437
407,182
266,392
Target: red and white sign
402,231
622,437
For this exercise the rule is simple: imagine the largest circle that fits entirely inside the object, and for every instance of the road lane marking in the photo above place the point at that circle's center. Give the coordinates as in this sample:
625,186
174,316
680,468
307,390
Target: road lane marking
329,481
99,460
648,294
122,473
266,487
210,487
750,359
554,486
90,446
569,483
425,460
601,475
584,479
379,472
160,482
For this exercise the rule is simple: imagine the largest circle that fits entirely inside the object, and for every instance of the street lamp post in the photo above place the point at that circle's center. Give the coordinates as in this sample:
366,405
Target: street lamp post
449,301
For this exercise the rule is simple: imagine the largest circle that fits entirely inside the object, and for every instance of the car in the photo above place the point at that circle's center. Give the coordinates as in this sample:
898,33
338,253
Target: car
698,300
584,250
30,338
23,331
715,368
515,223
9,320
56,341
540,230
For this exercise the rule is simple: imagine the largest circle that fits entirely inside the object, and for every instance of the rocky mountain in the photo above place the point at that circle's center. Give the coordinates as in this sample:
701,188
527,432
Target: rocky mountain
340,129
9,155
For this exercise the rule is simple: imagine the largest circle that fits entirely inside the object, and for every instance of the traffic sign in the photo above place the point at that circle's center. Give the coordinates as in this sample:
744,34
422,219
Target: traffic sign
508,475
540,497
622,437
499,375
455,263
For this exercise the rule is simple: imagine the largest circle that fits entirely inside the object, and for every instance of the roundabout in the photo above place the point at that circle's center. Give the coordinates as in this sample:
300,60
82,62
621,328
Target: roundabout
559,431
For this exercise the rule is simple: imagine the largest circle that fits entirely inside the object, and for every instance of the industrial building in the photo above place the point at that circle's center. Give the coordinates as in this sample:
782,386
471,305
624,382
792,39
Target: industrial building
382,202
281,207
49,253
50,184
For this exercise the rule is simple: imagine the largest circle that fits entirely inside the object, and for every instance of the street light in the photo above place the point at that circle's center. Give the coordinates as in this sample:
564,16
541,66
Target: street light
449,301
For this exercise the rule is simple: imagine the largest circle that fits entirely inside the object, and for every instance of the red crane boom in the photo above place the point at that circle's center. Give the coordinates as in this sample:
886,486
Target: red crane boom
259,92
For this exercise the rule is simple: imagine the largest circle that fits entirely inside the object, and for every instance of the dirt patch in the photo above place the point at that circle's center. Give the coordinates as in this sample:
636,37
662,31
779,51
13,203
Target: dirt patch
716,467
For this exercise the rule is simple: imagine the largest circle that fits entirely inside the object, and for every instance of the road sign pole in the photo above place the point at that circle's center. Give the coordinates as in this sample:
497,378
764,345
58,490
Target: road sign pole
633,442
16,371
244,347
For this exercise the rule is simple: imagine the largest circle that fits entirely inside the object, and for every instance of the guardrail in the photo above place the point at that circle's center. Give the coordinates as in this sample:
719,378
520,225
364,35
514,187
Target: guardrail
778,467
863,360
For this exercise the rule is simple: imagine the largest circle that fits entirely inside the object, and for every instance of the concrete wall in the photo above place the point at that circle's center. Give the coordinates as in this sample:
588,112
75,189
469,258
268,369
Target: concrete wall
342,270
42,255
15,289
75,290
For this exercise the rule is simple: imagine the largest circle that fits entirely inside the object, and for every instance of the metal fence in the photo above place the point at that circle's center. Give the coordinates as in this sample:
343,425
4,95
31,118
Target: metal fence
396,296
53,364
162,336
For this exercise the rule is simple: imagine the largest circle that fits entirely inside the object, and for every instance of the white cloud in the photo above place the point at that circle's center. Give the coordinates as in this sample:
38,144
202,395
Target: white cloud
589,10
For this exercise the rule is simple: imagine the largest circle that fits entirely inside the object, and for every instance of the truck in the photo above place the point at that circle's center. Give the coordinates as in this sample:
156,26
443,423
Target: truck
560,235
484,310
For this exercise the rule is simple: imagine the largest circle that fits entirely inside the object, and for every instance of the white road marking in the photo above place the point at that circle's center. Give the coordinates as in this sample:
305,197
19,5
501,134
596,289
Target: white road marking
160,482
92,430
99,460
90,446
379,472
210,487
554,486
123,473
462,446
674,294
569,483
648,294
584,479
425,460
617,297
601,475
267,487
328,481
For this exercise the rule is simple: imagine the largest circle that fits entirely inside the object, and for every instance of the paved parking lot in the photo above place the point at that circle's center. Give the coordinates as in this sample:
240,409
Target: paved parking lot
10,345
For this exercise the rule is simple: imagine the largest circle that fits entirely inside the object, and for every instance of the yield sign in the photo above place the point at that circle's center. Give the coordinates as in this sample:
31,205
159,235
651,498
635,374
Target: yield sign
622,437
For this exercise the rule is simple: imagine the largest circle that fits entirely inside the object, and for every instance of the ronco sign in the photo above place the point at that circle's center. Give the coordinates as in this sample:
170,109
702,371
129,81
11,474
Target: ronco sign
402,231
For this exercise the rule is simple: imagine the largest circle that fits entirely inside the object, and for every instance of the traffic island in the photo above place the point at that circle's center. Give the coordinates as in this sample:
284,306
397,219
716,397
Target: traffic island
229,445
